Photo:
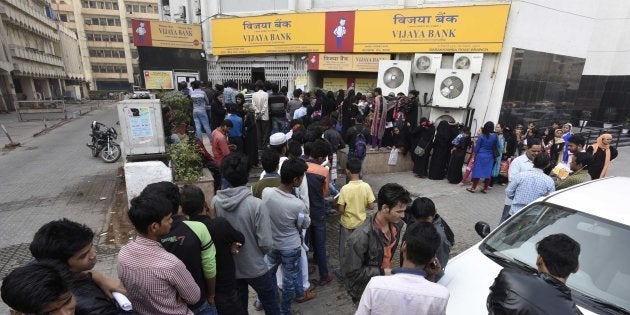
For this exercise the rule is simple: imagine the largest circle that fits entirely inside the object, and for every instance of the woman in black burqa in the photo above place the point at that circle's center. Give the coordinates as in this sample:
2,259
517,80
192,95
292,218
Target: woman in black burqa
458,155
347,112
423,135
441,151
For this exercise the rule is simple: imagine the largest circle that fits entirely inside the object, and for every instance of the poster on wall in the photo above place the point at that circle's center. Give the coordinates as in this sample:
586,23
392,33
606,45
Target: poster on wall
158,80
140,122
479,28
334,84
364,85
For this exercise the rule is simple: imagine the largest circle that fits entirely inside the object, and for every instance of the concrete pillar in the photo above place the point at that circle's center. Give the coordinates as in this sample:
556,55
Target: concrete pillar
28,88
45,86
7,92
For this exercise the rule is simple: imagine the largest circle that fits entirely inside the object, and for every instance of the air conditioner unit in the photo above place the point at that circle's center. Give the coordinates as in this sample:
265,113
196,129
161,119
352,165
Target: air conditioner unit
426,63
451,88
467,61
393,76
438,114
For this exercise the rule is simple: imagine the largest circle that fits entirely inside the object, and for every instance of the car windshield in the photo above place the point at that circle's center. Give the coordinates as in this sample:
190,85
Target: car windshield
603,278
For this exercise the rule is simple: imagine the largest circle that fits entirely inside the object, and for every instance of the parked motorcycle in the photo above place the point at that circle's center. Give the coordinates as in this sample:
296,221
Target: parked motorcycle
103,142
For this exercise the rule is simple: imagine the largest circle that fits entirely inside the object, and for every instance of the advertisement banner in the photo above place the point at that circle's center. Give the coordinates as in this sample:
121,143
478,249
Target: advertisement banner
165,34
444,29
286,33
346,62
158,80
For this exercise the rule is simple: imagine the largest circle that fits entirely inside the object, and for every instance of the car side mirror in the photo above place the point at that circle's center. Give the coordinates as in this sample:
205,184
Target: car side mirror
482,228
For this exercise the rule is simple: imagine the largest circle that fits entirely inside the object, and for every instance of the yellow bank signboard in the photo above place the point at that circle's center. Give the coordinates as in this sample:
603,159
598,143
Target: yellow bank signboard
287,33
165,34
444,29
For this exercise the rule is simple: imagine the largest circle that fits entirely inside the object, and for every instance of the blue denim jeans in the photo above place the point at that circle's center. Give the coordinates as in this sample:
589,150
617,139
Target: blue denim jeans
290,261
265,287
201,120
205,309
277,124
318,243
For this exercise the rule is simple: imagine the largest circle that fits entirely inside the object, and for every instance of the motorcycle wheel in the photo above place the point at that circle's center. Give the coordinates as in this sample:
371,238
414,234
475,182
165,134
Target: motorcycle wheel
111,153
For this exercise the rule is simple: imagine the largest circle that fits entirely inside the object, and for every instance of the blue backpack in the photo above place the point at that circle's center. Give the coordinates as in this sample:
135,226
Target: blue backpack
360,146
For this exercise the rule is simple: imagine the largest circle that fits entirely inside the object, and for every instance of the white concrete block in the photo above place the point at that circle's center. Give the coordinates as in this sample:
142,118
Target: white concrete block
140,174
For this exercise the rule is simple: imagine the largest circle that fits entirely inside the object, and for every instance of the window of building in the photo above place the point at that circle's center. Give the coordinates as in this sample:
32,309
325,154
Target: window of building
63,17
108,5
134,54
115,5
85,4
93,4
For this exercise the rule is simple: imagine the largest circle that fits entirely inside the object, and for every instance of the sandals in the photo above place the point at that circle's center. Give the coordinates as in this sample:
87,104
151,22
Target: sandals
483,191
326,281
470,190
308,295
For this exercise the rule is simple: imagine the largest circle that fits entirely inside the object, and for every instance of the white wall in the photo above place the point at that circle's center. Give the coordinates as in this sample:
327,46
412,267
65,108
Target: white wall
609,49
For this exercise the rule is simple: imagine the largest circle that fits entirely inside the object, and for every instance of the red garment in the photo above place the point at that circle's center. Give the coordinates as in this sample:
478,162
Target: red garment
220,147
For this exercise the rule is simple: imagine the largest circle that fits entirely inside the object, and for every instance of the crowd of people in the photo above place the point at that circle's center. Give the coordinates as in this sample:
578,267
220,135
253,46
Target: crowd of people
191,257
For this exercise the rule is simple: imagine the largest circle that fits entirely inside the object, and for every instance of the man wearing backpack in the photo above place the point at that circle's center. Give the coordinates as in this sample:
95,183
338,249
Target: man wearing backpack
357,138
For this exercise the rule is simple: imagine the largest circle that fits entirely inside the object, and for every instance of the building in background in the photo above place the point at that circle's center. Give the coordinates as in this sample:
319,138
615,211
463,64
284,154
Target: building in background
553,59
109,58
38,56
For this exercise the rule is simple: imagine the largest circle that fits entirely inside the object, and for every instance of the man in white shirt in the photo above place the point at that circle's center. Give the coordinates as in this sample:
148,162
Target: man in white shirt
518,165
409,290
260,102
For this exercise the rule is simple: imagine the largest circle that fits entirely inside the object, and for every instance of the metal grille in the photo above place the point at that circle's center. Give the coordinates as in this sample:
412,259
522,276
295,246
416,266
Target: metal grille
281,72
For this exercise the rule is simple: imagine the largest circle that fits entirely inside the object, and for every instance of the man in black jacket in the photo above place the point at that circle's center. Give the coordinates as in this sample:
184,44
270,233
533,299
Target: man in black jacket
517,292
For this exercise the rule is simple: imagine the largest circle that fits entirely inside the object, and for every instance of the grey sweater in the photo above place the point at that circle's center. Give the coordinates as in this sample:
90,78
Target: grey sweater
249,215
284,210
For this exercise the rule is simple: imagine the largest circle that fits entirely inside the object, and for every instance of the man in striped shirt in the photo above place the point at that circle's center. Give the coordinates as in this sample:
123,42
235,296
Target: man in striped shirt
156,280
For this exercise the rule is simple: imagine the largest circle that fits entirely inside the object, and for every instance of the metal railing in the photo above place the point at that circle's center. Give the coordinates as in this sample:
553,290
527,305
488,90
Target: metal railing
40,107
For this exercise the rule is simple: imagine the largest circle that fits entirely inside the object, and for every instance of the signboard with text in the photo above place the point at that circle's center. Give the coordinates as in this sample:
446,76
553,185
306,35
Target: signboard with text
346,62
158,80
165,34
442,29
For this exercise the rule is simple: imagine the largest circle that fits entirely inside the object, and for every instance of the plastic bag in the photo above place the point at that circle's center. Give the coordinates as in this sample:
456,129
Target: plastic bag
393,157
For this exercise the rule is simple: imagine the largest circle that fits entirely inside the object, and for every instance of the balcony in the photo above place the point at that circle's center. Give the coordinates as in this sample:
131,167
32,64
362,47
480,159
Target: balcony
27,69
99,12
102,28
108,60
109,75
35,55
95,44
27,18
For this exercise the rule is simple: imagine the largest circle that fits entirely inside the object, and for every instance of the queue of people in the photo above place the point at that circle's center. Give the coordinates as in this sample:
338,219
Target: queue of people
190,257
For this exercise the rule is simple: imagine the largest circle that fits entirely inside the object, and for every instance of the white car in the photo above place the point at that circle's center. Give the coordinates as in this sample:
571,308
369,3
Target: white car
596,214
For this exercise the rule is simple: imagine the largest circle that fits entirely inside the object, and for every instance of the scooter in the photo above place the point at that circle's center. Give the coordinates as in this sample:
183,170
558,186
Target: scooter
103,142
